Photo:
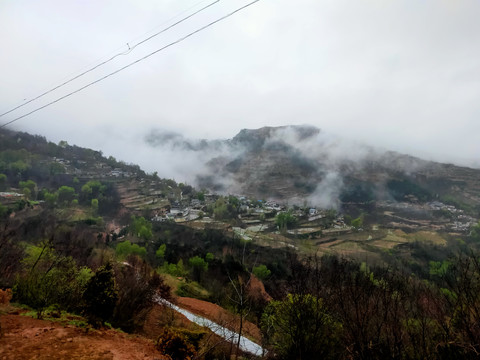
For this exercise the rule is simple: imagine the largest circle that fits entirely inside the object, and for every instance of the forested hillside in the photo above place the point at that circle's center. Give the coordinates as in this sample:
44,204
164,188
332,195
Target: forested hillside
97,243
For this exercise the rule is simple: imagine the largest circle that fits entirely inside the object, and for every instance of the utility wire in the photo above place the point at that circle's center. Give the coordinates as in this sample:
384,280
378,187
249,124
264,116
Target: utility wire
130,49
119,49
133,63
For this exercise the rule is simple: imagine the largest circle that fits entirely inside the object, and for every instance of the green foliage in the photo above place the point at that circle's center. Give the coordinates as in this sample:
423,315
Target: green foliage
220,210
234,201
399,189
49,279
56,168
439,268
201,196
362,192
141,228
93,189
96,188
50,198
193,336
29,188
209,257
225,209
94,204
86,191
19,167
3,211
100,295
15,161
475,233
27,193
300,327
286,220
198,266
66,195
174,345
126,248
3,182
192,289
138,285
160,253
177,269
261,272
357,223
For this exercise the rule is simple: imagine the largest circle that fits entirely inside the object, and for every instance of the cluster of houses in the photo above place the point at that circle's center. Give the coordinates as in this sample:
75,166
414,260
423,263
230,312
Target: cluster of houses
10,197
98,170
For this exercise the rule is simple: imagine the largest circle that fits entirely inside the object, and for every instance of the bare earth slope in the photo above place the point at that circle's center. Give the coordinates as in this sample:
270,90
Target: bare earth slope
27,338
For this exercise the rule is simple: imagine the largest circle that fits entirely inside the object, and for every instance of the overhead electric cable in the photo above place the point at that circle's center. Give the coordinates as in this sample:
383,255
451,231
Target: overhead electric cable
130,49
133,63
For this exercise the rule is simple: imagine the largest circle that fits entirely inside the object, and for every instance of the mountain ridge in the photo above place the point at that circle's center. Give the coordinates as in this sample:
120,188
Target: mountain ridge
293,163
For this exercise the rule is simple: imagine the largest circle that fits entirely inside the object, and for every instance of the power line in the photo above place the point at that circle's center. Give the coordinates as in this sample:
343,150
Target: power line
133,63
130,49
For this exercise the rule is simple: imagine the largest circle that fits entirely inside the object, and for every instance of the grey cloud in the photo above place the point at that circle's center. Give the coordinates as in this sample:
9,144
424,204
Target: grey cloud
400,75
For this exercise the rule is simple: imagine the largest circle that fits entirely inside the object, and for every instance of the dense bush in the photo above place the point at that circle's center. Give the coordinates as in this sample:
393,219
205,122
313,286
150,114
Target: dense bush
138,288
100,296
175,345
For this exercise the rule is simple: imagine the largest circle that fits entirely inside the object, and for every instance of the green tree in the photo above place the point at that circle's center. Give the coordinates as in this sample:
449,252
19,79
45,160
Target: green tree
49,278
50,198
357,223
126,248
56,168
299,327
141,228
3,211
19,166
100,295
209,257
160,253
94,204
220,210
261,272
175,346
198,266
63,144
66,195
286,220
27,193
3,182
475,232
31,186
177,269
86,192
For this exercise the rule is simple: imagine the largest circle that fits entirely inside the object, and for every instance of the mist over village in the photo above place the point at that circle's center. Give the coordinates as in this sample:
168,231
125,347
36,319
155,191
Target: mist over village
239,180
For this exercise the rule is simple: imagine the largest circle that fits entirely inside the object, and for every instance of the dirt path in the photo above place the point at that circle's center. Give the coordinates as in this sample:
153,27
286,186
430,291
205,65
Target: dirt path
27,338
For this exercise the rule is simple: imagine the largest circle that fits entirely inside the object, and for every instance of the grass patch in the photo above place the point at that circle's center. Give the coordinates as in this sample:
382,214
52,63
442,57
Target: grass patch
59,316
181,287
428,236
194,290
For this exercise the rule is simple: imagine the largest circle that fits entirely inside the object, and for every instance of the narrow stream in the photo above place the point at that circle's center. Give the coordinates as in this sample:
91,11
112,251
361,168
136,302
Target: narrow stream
245,344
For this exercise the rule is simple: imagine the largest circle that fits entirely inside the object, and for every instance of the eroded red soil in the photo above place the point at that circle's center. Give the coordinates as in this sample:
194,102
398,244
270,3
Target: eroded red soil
27,338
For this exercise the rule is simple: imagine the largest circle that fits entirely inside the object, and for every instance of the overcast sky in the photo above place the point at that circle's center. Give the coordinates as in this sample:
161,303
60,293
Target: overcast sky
404,75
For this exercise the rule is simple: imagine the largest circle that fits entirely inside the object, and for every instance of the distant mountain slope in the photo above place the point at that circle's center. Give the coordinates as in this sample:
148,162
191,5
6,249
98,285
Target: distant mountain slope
25,157
295,163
